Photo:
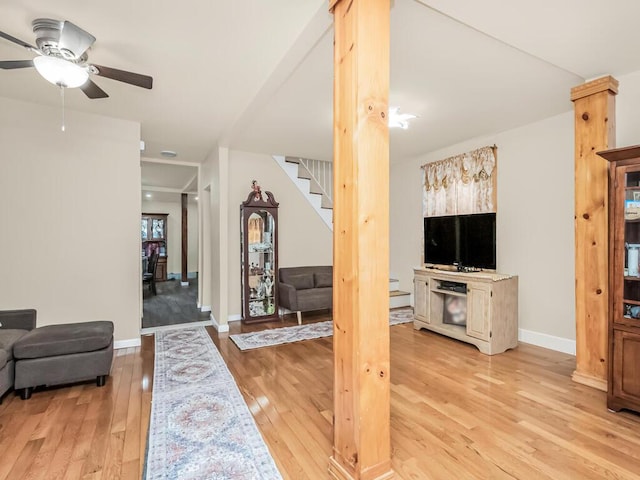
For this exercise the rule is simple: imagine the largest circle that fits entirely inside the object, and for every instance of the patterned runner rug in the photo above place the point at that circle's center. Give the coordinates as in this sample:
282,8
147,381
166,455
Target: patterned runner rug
200,426
278,336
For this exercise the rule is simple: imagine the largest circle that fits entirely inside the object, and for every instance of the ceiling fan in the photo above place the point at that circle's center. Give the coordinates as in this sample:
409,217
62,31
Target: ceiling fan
62,58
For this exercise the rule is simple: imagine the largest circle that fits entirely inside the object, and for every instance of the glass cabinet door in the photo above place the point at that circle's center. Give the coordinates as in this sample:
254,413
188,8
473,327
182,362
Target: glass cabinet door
157,228
631,288
260,251
144,228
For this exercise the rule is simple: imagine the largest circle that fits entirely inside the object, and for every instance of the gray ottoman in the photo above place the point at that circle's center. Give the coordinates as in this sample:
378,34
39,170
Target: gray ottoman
60,354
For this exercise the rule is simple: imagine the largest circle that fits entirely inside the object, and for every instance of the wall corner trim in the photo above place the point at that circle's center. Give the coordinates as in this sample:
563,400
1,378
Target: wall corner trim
219,328
131,342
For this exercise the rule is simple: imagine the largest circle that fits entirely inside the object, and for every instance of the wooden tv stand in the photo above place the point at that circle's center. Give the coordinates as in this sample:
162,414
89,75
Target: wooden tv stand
491,307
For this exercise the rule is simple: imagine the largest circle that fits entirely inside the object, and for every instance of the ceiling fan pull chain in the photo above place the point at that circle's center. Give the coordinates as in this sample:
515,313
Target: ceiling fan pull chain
62,96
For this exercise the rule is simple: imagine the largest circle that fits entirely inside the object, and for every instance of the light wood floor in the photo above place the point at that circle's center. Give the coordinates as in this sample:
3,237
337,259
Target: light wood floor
455,414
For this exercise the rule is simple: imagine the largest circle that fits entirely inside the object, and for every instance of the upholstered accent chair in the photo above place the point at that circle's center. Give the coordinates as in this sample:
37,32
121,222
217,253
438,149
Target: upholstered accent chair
304,289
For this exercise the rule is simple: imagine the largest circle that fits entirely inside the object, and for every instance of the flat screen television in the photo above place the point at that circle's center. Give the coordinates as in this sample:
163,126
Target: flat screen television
465,240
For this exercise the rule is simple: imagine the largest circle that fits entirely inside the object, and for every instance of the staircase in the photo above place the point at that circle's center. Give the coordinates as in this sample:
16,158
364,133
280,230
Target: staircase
309,186
397,297
314,179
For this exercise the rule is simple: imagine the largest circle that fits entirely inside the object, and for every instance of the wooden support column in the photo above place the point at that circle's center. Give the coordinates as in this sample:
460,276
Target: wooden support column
361,442
185,240
595,110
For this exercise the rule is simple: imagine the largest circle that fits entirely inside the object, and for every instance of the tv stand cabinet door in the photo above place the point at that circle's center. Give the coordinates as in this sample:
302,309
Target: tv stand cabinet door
421,297
479,310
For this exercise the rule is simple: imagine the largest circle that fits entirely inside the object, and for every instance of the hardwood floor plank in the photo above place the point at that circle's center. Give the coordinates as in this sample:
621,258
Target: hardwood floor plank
82,444
25,460
112,464
57,421
55,454
17,439
102,423
455,414
134,403
131,470
74,470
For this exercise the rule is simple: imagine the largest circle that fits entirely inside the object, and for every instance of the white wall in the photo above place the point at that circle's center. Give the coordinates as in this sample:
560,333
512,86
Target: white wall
69,245
214,187
535,233
174,229
627,111
303,238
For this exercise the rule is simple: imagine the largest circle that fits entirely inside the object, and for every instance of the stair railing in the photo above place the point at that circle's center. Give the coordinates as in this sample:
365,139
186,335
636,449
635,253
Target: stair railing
322,173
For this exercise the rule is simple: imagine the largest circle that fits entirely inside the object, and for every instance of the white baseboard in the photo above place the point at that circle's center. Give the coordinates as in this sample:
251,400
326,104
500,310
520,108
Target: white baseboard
205,308
236,317
559,344
219,328
131,342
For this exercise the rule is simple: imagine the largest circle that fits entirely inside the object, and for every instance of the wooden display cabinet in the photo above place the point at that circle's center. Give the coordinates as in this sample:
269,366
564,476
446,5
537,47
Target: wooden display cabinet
624,278
153,232
259,256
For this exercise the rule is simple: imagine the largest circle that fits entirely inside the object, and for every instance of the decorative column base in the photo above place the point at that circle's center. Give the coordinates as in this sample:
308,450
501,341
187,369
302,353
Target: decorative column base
589,381
379,472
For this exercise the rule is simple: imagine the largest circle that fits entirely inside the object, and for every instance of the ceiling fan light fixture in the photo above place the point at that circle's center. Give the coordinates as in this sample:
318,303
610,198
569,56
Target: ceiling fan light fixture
61,72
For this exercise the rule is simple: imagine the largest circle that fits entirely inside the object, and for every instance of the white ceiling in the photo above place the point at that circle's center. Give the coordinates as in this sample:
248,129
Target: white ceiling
257,76
165,182
207,59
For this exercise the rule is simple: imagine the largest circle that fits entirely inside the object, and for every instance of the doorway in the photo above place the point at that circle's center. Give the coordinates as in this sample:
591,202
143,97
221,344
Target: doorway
169,299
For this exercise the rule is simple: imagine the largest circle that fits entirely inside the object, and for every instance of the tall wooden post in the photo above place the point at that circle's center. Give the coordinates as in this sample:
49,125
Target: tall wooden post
185,240
361,445
595,110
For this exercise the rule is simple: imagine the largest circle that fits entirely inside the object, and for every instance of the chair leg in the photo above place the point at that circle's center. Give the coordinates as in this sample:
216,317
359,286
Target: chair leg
299,315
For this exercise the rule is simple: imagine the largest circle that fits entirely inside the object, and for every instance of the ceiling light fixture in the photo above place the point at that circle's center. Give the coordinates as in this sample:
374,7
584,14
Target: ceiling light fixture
148,195
61,72
168,153
399,120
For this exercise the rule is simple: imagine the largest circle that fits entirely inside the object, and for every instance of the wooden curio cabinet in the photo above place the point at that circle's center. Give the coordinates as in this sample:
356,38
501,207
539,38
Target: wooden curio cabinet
624,278
153,232
259,256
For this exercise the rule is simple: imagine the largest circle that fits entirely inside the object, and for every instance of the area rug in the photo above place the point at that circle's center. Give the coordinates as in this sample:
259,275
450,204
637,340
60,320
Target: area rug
200,426
279,336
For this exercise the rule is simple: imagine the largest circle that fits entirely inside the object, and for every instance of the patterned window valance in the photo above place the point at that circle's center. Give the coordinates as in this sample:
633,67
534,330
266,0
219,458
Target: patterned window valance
461,184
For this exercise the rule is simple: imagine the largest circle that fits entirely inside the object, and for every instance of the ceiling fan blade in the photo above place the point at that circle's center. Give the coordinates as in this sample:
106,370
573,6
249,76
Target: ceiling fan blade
17,41
11,64
92,90
74,39
136,79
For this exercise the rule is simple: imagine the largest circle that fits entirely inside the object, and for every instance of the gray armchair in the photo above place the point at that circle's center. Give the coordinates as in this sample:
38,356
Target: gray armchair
304,289
14,324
